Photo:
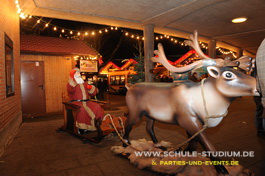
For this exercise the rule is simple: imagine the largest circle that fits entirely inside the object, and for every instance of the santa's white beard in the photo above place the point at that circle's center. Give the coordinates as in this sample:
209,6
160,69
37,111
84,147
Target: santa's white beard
78,79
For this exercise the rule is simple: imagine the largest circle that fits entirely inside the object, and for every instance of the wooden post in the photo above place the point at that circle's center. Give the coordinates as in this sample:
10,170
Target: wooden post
239,52
148,51
212,48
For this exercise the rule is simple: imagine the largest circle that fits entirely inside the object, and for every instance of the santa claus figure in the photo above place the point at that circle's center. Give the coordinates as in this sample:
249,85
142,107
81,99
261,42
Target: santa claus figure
80,94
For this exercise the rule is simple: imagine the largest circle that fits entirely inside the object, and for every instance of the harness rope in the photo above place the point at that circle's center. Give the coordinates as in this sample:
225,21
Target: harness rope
121,138
193,136
205,125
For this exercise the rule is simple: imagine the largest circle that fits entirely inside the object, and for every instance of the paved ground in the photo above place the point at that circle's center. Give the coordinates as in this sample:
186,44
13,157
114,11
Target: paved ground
39,150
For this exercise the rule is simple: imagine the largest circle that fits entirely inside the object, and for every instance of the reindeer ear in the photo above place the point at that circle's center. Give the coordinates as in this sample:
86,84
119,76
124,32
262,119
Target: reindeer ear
213,71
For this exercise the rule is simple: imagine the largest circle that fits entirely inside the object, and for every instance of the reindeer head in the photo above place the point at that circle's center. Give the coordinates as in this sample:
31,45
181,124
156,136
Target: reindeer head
229,82
246,63
232,83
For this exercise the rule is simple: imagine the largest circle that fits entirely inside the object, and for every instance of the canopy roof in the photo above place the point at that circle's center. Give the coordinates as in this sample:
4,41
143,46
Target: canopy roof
54,46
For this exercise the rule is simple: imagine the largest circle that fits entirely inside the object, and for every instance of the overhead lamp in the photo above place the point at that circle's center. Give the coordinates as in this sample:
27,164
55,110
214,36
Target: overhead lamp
239,20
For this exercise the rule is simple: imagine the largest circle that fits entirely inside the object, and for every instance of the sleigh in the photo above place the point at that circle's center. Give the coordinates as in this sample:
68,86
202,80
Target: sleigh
109,124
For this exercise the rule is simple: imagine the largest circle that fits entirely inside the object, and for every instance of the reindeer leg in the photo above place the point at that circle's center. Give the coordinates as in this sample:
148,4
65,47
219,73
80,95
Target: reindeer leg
209,147
193,127
150,129
128,129
192,144
131,120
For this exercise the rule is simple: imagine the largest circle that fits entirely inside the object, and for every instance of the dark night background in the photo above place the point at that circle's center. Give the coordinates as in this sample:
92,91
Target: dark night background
111,45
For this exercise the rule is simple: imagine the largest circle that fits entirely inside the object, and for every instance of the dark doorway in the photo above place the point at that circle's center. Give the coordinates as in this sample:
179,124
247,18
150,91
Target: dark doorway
32,88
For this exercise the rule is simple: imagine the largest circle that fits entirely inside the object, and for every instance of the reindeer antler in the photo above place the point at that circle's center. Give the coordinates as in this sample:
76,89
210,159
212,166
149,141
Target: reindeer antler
194,43
244,62
161,58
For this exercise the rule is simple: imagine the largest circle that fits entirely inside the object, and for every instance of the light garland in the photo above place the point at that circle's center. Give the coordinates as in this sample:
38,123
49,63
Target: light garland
226,52
20,12
75,33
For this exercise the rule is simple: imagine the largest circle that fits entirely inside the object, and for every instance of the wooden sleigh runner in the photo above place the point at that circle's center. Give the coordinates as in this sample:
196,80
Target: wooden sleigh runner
104,127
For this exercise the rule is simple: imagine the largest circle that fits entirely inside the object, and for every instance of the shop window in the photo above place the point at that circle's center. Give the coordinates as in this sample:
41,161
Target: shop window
113,80
117,80
122,80
9,66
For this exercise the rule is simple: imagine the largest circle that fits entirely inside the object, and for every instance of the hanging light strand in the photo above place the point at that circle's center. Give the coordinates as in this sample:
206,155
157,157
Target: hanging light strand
77,33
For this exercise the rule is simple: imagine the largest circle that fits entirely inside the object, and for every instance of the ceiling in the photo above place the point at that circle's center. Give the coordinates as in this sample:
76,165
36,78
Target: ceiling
212,18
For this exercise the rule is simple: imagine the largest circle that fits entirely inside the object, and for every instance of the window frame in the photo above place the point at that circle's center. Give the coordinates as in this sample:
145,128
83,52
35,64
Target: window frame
9,43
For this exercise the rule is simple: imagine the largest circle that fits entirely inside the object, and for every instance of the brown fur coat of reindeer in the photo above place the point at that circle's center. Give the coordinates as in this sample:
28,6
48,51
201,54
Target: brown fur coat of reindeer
183,104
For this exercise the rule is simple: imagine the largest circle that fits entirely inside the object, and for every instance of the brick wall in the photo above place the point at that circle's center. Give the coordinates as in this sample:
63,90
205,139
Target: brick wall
10,107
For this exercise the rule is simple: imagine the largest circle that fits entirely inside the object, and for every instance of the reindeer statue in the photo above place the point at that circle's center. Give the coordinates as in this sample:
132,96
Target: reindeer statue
183,104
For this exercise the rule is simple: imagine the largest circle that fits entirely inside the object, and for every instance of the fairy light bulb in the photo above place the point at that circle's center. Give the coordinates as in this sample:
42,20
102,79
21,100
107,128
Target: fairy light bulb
126,33
93,33
156,38
71,32
100,31
106,30
46,25
62,30
78,33
38,21
86,33
55,28
132,36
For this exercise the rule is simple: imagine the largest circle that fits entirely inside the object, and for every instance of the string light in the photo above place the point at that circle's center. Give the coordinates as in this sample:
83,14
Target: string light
23,16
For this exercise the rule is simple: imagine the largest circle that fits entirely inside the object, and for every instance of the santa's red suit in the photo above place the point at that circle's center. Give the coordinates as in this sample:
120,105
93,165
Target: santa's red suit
80,93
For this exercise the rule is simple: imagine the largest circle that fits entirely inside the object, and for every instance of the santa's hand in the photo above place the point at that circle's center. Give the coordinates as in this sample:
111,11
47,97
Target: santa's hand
89,87
72,73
